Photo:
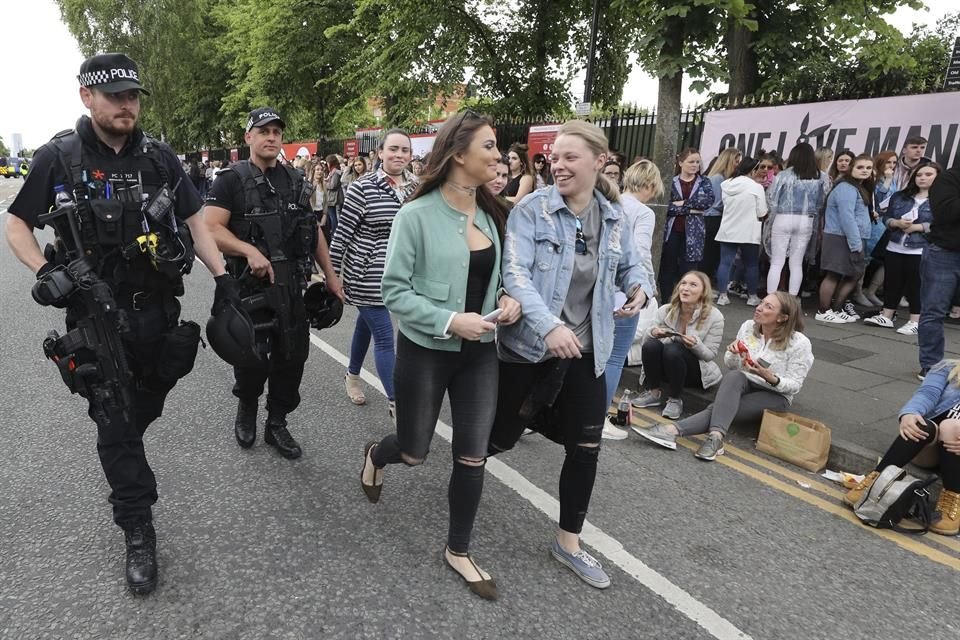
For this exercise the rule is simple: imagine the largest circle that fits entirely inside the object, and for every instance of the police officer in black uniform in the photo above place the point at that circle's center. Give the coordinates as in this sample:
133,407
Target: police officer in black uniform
123,214
259,212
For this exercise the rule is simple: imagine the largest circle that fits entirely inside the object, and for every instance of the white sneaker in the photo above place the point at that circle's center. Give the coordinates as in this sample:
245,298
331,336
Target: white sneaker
851,311
723,300
828,316
753,300
843,316
879,320
909,328
613,432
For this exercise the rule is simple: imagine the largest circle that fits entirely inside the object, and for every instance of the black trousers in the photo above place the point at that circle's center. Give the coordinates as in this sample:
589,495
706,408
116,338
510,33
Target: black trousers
673,264
670,367
133,487
711,248
283,371
901,278
901,452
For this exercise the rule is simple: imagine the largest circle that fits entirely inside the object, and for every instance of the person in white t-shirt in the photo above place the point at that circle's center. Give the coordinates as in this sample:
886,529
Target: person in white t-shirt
908,217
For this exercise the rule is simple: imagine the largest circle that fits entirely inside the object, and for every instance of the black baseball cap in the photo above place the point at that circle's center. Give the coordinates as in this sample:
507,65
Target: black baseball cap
110,73
262,116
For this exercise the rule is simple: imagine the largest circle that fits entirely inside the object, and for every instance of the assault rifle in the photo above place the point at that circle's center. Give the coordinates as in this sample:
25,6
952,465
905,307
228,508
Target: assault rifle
90,356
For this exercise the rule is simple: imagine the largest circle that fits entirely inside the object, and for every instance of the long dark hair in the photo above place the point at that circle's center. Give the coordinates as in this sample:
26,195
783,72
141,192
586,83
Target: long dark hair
865,186
526,169
455,137
803,161
912,189
834,173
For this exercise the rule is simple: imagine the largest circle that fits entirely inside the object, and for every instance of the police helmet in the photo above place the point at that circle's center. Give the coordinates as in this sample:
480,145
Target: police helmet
323,308
231,334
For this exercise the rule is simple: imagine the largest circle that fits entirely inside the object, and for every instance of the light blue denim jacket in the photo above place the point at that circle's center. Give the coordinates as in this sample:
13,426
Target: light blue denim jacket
901,204
847,215
935,395
538,257
790,195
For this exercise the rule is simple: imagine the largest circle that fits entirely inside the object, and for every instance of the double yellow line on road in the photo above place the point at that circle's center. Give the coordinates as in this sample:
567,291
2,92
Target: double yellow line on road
739,461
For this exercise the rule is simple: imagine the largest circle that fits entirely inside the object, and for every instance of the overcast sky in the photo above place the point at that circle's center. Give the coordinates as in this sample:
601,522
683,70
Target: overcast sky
38,81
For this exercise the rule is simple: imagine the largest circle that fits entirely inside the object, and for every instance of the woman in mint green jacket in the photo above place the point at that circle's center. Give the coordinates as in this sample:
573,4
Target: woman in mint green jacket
441,283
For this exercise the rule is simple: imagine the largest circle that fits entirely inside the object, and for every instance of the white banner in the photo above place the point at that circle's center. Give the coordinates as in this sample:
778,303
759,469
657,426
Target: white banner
863,126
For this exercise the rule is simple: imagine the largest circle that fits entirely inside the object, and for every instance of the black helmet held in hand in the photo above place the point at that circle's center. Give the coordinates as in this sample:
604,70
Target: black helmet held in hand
231,334
323,308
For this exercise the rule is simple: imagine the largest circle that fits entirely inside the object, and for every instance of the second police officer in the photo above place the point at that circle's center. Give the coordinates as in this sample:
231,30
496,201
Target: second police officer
121,207
259,212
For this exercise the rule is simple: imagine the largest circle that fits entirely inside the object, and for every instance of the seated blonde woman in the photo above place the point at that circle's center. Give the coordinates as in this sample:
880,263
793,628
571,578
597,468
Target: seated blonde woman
769,362
680,348
931,416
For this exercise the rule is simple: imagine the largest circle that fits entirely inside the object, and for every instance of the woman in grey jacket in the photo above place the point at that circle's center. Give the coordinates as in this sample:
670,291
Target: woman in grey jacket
680,349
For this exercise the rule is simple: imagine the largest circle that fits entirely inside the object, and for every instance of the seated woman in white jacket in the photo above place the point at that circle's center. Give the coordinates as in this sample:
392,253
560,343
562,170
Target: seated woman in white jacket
768,363
744,208
680,347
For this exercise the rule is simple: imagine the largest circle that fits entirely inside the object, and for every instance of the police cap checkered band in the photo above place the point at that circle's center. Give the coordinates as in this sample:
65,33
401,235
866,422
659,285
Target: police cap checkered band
262,116
110,73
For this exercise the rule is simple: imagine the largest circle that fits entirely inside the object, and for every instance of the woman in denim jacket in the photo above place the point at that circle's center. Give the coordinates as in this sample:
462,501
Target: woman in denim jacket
567,250
685,232
908,218
930,417
845,231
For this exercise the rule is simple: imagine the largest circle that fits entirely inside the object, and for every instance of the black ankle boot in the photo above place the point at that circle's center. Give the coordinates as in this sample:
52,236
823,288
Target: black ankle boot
276,435
141,558
245,427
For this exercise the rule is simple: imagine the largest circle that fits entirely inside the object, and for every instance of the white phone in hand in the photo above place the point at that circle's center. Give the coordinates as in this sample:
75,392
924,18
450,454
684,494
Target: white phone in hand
493,315
619,299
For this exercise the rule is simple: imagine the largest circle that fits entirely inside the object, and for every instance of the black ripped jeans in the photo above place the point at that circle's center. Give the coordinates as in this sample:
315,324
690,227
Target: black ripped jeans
580,406
901,452
422,377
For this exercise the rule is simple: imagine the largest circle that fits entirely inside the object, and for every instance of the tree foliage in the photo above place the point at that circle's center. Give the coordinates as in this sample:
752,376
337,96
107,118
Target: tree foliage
4,151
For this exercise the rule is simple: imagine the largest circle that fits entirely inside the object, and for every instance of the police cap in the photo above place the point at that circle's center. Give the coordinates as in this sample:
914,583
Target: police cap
110,73
262,116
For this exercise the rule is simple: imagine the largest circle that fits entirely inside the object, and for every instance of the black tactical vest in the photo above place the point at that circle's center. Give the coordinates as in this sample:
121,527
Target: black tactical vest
115,196
284,229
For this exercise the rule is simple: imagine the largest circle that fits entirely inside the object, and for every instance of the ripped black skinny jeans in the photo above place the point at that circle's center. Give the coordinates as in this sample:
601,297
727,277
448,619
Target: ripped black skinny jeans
581,408
422,376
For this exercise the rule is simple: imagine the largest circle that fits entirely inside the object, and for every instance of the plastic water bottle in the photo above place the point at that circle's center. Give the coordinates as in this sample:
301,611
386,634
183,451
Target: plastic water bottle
624,410
62,196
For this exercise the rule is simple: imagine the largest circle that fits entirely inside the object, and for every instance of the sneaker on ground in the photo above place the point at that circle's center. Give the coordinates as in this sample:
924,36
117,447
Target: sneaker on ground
828,316
753,300
846,317
657,434
723,300
673,409
613,432
583,564
851,311
711,448
648,398
922,374
879,320
909,328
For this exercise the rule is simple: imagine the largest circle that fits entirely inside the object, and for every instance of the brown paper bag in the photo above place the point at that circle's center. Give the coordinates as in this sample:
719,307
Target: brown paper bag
798,440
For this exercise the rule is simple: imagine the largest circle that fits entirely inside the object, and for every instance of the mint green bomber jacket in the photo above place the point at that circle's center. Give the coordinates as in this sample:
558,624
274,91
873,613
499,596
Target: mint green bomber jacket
425,277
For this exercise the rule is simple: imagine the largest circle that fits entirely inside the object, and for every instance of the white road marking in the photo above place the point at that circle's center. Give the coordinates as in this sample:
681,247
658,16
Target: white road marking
609,547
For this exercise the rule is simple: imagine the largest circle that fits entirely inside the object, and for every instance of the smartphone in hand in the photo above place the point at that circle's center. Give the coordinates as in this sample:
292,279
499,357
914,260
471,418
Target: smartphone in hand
493,315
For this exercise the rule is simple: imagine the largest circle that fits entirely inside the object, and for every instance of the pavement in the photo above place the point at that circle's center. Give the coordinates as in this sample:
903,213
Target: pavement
253,546
861,377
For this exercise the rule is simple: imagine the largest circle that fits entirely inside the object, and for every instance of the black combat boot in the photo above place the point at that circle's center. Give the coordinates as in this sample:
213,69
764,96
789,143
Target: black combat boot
141,558
276,435
245,427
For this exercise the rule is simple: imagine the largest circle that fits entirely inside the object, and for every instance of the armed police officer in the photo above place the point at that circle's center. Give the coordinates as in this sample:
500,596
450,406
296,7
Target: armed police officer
123,216
259,212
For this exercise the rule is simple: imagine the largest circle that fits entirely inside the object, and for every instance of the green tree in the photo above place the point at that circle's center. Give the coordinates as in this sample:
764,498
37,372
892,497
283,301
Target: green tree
4,151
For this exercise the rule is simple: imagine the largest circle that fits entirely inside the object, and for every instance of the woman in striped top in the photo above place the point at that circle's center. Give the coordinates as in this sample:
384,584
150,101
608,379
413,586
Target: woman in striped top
358,253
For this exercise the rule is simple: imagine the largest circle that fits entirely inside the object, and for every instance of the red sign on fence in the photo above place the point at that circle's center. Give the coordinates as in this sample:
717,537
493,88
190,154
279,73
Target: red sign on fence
540,139
351,148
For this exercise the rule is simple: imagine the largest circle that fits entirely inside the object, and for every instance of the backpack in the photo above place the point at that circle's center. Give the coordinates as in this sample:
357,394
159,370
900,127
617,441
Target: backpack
896,495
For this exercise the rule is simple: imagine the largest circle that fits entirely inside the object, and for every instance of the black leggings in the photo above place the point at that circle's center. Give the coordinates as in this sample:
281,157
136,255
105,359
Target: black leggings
671,361
580,406
901,278
901,452
422,377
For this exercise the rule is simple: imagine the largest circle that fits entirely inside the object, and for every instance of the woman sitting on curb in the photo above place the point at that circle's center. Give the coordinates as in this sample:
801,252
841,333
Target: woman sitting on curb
768,363
680,348
932,414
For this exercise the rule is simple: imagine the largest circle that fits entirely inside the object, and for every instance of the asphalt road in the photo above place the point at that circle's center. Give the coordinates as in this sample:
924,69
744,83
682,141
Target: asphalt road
255,546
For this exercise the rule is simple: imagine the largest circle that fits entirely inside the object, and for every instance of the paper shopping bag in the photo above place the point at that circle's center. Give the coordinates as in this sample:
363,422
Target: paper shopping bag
798,440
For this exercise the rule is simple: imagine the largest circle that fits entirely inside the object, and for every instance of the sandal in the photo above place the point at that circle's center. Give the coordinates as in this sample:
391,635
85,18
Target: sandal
372,491
354,390
486,588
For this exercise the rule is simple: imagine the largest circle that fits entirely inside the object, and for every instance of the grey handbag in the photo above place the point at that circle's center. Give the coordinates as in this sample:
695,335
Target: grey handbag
896,495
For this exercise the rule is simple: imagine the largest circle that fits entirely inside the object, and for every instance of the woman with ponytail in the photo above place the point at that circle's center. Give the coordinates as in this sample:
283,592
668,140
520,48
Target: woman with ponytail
567,250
